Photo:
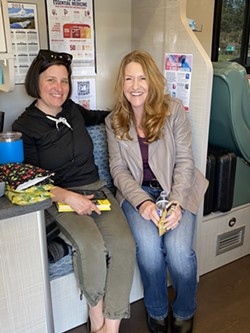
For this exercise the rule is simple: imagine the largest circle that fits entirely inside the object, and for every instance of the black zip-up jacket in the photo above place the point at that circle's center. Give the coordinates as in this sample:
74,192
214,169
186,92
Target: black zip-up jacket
68,152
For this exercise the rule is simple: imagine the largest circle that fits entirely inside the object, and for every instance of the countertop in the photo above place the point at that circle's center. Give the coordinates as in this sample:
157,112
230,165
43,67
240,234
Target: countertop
7,209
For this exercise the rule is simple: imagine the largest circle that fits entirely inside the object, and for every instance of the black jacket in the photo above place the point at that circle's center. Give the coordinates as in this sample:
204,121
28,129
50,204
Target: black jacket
66,152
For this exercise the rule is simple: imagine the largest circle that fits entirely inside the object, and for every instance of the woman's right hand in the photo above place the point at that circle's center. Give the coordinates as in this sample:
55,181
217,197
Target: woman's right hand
81,204
148,212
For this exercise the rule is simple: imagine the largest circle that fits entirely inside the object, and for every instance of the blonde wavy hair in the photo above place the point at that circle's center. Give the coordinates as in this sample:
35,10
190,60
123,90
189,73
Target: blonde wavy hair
156,107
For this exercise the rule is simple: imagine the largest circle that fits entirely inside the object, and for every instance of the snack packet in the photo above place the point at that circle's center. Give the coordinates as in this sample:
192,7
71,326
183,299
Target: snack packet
171,207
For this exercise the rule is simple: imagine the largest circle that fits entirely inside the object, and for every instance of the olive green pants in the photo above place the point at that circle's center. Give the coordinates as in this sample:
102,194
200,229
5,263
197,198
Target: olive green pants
103,255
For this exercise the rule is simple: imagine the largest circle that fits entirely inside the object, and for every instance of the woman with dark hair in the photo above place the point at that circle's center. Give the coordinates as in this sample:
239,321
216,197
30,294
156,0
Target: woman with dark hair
55,138
150,148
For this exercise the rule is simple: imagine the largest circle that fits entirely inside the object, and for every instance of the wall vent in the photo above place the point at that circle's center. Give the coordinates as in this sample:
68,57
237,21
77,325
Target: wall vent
230,240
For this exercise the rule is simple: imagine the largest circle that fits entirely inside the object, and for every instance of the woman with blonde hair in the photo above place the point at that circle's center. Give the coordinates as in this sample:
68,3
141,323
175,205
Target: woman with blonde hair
150,147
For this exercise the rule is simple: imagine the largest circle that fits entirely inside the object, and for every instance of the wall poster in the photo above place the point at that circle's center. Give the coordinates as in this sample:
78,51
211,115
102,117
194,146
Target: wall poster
71,30
24,36
84,92
178,73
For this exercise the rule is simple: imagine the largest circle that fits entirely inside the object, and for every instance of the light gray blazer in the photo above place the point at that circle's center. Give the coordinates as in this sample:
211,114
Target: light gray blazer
170,158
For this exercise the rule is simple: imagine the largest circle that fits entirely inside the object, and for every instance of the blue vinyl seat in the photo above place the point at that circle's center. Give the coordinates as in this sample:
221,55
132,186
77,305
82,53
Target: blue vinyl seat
230,109
230,122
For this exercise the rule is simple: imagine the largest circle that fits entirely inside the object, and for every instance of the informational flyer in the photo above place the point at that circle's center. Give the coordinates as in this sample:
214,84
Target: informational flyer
178,73
71,30
24,36
84,92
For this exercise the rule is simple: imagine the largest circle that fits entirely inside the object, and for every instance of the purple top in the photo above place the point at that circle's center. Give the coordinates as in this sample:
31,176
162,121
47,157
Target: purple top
147,172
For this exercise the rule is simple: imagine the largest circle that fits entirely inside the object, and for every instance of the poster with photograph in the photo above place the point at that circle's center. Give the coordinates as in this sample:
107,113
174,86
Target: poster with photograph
84,92
24,36
71,30
178,73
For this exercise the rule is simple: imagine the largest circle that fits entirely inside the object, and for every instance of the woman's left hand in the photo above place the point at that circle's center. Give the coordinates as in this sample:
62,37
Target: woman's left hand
172,221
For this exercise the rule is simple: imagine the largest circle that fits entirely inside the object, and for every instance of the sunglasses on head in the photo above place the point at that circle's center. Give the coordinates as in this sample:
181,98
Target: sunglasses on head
55,56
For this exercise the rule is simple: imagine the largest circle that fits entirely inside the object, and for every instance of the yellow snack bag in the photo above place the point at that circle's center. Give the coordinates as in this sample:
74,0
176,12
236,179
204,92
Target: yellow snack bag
171,207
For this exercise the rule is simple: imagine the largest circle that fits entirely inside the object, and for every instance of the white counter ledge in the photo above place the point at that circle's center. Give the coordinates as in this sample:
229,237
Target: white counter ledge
25,299
8,210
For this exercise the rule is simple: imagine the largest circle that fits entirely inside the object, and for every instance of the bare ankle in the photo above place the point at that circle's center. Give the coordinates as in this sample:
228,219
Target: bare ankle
101,329
96,317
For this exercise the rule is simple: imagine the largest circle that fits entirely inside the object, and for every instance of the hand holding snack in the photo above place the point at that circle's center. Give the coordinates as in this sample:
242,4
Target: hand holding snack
169,209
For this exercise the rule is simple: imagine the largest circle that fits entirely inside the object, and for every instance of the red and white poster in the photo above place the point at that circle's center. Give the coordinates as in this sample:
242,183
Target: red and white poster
71,30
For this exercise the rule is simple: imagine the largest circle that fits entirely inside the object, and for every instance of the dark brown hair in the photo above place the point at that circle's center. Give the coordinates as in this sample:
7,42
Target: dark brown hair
43,61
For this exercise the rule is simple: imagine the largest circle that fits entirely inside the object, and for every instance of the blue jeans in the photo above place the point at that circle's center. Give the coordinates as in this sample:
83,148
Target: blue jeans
155,255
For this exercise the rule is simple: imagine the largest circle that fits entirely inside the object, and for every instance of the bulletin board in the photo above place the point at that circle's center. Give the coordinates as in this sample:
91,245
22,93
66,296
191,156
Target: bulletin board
71,30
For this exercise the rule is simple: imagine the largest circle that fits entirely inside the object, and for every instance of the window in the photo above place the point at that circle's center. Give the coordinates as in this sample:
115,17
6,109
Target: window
231,32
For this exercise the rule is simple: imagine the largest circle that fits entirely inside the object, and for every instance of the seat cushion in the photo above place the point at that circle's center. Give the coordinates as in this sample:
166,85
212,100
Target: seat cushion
98,135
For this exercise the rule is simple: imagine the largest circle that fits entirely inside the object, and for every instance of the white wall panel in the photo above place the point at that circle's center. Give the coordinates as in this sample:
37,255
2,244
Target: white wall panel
161,27
113,41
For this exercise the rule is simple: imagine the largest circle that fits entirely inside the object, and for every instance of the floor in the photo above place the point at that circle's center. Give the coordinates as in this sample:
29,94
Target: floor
223,303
